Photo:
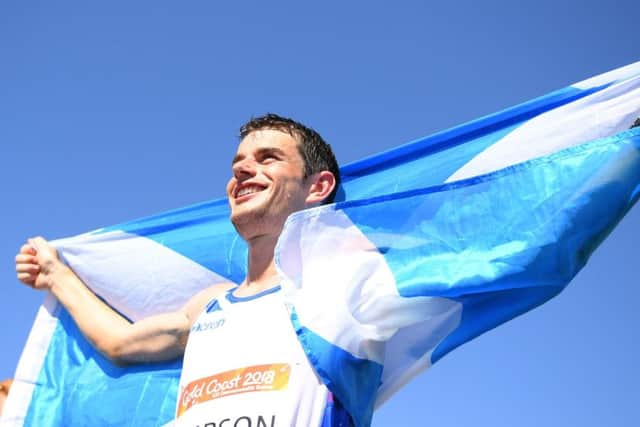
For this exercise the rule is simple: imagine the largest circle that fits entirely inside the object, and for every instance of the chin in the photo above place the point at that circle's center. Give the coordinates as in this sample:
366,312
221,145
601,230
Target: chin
254,223
246,219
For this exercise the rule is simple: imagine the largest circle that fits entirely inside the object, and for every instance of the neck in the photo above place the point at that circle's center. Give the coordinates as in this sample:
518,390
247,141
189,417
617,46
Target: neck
261,268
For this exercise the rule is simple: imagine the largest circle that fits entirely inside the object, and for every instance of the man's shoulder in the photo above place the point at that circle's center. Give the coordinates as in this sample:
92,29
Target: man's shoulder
198,302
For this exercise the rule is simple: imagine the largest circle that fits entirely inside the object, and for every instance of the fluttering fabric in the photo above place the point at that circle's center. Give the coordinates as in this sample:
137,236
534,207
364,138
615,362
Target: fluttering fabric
431,244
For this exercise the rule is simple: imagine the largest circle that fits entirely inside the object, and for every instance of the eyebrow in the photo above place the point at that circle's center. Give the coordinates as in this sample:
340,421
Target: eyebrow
260,152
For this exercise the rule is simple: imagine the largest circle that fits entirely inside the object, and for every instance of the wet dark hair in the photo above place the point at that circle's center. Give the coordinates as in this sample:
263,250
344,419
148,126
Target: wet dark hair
636,123
315,152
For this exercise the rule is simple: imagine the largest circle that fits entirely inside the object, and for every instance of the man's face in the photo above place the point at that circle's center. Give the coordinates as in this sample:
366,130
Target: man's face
267,184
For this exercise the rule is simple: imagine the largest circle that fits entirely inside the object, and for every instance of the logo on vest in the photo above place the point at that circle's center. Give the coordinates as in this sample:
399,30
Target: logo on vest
258,378
207,325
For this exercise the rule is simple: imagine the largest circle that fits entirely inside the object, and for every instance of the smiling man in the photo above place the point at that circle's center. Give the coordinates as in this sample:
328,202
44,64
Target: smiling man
273,176
280,167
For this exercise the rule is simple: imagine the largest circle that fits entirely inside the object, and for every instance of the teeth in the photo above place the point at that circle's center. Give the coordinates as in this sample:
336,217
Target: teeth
248,190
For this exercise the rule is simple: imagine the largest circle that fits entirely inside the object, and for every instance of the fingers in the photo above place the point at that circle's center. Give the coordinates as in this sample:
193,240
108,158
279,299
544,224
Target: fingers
27,249
27,279
26,259
43,250
38,244
27,273
27,268
27,262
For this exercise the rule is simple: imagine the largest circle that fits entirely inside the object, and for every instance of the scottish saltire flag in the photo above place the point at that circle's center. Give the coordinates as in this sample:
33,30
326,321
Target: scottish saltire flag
432,244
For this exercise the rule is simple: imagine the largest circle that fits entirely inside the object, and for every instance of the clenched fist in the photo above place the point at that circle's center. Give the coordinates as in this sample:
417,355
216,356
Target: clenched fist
36,263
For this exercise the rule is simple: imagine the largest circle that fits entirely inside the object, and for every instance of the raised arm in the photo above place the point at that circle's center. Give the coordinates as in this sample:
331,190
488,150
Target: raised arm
156,338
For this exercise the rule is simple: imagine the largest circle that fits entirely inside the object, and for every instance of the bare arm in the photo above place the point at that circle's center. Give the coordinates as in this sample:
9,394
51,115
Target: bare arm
156,338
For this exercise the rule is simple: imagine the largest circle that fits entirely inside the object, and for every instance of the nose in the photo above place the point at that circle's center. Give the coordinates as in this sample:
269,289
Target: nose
243,169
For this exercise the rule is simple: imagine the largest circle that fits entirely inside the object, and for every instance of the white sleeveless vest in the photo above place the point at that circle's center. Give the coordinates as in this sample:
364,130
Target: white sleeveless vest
244,367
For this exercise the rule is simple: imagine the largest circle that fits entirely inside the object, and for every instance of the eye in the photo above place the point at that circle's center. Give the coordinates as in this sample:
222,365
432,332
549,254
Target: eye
269,158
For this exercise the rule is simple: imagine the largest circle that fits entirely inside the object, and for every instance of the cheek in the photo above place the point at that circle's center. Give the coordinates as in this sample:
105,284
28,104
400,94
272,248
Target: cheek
230,186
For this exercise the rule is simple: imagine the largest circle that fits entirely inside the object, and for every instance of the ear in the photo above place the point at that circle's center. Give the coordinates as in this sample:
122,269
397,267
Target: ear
322,184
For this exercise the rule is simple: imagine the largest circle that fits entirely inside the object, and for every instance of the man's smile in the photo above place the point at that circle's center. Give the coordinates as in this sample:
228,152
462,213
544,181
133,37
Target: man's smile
247,190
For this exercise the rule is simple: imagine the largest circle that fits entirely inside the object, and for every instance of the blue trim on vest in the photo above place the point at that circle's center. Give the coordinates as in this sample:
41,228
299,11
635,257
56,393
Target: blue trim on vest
213,305
233,299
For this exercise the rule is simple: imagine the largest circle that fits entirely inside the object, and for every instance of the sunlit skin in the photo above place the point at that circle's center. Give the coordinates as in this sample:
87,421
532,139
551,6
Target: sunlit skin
267,185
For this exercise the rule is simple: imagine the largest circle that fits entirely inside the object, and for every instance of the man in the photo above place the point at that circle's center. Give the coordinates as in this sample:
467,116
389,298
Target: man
280,167
237,357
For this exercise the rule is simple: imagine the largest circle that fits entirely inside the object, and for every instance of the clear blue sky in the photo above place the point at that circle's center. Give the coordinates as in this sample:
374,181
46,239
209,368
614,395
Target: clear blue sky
115,110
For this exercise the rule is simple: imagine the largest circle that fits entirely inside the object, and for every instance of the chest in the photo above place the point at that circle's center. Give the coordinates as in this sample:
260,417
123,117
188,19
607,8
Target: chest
243,358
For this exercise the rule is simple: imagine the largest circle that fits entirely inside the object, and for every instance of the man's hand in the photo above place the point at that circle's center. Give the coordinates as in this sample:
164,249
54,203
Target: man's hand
37,262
